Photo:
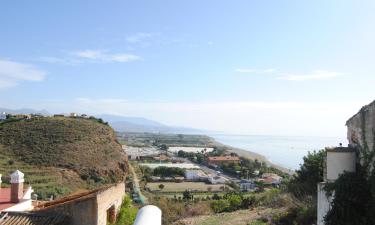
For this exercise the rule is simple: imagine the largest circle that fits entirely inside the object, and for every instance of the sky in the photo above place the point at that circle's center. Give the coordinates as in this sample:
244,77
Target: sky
240,67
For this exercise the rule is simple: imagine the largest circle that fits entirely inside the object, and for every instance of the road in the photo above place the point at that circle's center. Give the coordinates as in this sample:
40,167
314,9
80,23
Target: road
136,186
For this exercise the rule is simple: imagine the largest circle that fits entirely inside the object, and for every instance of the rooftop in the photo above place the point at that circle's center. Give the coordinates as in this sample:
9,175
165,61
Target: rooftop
18,218
340,149
5,199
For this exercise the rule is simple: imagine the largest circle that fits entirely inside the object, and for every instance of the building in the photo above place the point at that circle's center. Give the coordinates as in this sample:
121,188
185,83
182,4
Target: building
22,116
246,185
73,114
139,153
96,207
176,149
338,160
3,116
16,198
217,180
218,160
31,218
195,175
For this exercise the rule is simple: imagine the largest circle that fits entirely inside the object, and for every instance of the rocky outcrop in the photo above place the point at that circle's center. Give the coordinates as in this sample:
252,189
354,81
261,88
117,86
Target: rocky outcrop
361,131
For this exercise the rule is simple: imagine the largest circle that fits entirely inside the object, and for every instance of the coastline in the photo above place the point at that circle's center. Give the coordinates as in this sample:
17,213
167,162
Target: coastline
251,155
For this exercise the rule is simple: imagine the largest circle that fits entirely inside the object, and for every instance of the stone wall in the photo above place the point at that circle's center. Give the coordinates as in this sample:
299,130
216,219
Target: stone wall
90,209
108,198
79,212
361,131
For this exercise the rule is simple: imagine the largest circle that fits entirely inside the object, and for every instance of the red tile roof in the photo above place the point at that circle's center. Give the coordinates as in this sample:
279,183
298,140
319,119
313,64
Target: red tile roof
5,199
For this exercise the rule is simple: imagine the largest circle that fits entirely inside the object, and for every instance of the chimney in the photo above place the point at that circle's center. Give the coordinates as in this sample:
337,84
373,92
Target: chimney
16,189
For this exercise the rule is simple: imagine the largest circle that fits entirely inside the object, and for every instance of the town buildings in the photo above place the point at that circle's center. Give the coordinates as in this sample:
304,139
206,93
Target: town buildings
246,185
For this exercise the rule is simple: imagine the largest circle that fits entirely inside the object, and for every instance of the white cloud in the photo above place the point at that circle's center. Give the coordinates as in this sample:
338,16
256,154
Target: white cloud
101,56
140,37
11,73
91,56
252,70
315,75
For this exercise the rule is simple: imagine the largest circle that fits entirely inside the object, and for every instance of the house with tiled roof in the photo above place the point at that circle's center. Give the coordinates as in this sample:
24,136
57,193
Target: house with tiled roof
16,198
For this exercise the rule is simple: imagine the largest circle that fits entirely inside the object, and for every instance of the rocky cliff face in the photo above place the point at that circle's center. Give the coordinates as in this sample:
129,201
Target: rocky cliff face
361,131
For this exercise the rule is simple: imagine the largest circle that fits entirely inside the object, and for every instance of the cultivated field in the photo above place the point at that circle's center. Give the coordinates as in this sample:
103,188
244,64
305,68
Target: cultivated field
180,187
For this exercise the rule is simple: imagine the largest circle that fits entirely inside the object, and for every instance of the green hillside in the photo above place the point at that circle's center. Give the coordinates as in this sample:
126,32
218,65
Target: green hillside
61,155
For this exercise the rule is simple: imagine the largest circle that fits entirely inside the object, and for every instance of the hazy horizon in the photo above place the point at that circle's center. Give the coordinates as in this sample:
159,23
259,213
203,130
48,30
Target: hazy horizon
244,67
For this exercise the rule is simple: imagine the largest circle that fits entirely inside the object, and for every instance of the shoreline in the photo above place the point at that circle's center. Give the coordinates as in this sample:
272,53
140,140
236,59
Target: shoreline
251,155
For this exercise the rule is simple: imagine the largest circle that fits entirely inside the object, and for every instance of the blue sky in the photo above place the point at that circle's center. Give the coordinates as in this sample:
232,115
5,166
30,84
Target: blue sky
249,67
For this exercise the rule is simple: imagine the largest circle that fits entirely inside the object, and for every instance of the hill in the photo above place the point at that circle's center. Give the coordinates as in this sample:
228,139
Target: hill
141,125
61,155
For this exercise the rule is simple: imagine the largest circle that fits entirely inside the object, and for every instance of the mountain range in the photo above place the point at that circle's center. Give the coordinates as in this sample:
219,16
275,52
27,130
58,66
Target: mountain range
122,123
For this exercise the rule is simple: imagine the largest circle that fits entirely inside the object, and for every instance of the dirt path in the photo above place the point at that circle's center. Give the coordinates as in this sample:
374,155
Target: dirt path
136,186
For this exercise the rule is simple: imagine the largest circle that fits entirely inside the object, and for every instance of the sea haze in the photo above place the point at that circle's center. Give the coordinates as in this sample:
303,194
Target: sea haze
286,151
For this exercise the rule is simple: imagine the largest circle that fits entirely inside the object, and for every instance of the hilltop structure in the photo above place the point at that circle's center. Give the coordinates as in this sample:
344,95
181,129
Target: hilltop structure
361,149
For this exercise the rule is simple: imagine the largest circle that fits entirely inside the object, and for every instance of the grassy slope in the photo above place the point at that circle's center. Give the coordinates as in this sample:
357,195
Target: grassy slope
61,155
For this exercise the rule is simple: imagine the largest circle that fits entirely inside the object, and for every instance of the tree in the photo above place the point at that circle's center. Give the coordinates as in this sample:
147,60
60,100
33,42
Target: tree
161,186
310,173
186,196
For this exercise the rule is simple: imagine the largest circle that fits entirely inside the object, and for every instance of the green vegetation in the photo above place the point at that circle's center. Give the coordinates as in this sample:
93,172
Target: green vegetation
60,155
168,171
304,182
127,213
232,202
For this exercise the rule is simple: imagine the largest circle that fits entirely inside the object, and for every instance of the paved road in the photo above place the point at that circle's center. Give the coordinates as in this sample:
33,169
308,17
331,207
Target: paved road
136,186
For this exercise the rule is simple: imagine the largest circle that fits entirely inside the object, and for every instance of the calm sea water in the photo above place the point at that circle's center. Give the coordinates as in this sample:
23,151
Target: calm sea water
287,151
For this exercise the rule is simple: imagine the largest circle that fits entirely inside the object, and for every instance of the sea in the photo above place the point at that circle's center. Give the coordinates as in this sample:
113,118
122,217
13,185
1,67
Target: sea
286,151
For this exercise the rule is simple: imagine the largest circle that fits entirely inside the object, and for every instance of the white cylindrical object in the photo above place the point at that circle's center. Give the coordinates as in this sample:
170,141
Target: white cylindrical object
148,215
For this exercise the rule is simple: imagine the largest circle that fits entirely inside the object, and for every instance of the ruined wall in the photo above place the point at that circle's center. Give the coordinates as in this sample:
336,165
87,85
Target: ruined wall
108,198
361,131
82,212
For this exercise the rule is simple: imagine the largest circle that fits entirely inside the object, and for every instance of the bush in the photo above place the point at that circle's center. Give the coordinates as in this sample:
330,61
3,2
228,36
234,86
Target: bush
127,213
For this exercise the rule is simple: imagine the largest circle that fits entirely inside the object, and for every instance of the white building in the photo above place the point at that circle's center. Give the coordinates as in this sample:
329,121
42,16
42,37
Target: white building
3,116
217,180
338,160
190,149
195,175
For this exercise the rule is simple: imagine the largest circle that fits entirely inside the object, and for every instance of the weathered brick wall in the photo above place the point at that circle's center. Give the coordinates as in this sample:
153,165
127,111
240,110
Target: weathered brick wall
91,209
110,197
82,212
